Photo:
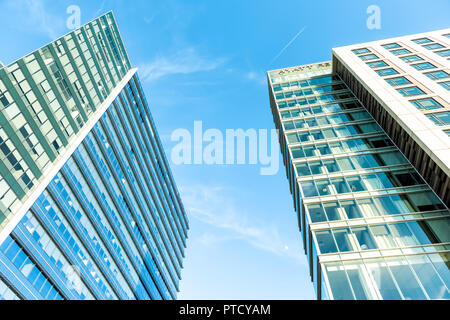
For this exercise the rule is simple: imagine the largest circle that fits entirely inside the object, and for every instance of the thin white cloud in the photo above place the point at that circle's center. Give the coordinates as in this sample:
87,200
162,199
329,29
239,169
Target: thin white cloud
287,45
184,61
258,77
35,15
101,8
211,205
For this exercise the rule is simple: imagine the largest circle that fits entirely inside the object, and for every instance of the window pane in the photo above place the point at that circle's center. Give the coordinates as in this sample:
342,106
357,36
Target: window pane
383,279
326,242
339,284
428,277
405,279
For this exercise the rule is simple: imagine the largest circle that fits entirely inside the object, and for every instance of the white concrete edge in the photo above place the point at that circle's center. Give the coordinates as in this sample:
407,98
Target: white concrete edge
62,158
339,53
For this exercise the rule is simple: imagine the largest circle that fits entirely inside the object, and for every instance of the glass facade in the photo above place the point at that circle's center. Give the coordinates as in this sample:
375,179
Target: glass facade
372,228
89,207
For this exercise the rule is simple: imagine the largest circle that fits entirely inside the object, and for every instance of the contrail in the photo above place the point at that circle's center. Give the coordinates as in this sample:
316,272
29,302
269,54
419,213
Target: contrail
289,43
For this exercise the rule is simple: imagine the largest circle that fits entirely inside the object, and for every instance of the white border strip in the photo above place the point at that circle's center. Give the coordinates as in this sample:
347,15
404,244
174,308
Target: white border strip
62,158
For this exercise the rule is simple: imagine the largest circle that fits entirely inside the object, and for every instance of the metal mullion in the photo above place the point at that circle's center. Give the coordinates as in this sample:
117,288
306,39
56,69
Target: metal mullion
42,101
26,113
77,73
133,213
94,58
105,61
54,88
60,243
120,211
17,279
12,182
70,85
114,281
127,195
166,243
141,185
115,255
182,219
161,210
85,63
116,31
164,198
85,241
108,46
38,255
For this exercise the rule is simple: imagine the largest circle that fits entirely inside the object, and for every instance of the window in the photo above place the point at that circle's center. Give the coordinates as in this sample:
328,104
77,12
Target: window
412,58
444,53
391,46
426,104
309,189
386,72
361,51
3,99
434,46
368,57
445,84
441,118
437,75
325,241
447,35
410,91
447,132
423,66
422,40
399,81
377,64
399,52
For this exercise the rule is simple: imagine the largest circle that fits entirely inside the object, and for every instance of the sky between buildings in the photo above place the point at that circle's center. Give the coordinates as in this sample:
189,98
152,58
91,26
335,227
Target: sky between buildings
202,60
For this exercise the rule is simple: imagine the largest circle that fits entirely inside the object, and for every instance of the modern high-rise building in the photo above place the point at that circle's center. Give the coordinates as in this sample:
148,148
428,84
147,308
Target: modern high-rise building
88,205
366,146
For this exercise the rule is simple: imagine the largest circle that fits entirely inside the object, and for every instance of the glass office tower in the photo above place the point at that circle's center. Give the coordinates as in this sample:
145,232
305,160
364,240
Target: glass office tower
404,83
372,227
88,205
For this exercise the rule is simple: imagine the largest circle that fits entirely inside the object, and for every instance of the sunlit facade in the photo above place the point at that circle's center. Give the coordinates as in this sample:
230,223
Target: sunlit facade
88,205
372,227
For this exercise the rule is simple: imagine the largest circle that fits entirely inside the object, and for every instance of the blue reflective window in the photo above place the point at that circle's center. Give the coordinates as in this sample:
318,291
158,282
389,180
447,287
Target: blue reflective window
391,46
368,57
377,64
400,52
427,104
445,84
437,75
410,91
422,41
444,53
412,58
361,51
398,81
433,46
424,66
441,118
387,72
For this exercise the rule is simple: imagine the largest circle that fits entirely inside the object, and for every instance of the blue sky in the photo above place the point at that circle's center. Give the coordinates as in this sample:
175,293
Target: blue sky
206,60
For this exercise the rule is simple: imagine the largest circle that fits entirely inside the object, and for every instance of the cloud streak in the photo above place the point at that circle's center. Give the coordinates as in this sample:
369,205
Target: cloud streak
212,206
288,44
37,16
185,61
